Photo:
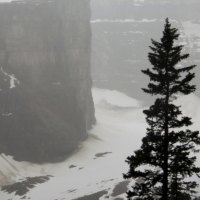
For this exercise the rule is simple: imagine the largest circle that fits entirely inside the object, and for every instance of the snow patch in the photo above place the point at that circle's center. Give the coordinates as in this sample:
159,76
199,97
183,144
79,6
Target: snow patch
190,106
192,32
113,97
13,80
6,114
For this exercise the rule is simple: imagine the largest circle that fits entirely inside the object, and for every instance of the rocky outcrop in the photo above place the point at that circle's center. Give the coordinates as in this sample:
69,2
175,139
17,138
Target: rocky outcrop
46,105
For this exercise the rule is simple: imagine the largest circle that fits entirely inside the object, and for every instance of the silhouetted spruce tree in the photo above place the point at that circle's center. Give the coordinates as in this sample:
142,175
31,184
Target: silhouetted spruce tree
166,158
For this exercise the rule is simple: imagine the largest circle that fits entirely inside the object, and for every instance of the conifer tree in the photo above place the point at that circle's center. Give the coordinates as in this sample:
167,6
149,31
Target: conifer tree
166,158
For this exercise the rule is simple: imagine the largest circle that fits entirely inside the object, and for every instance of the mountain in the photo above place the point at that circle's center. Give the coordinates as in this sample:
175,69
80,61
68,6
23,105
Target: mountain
45,98
122,31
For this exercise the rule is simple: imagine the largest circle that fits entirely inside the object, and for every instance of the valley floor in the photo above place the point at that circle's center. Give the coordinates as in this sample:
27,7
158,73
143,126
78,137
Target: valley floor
95,170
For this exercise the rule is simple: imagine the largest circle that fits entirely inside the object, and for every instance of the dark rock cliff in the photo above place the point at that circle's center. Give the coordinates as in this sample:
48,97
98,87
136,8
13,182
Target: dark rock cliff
46,105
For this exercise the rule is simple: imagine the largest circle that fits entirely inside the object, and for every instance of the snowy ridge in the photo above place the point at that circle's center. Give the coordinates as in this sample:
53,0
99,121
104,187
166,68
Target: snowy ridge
96,21
122,21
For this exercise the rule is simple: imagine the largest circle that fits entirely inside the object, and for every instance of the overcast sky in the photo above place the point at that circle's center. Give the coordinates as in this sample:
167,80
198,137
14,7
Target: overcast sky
5,0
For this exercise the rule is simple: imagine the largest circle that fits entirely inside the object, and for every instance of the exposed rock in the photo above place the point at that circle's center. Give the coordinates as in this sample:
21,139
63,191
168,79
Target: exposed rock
45,97
120,188
100,155
21,188
95,196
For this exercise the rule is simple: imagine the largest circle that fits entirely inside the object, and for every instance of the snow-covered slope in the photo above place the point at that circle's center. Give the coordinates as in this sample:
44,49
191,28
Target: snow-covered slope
95,170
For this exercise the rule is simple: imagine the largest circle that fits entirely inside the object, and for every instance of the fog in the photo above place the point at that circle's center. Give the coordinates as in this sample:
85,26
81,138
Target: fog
122,32
70,92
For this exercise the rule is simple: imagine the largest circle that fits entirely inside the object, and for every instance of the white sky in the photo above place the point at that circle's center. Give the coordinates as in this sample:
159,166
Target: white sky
5,1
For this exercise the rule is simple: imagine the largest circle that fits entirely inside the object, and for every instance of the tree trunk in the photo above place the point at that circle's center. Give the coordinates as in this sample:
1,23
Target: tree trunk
166,142
165,166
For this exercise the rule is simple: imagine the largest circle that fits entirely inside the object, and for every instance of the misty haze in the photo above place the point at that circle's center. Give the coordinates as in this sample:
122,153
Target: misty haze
71,98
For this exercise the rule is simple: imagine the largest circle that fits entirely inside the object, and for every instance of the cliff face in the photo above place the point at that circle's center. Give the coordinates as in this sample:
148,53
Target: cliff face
46,105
